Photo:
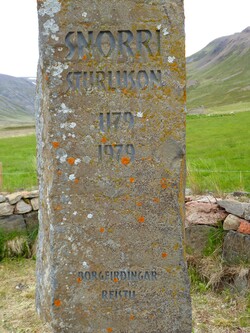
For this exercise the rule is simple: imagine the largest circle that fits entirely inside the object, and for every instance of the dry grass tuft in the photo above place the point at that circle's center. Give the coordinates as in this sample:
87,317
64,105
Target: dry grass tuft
17,247
217,275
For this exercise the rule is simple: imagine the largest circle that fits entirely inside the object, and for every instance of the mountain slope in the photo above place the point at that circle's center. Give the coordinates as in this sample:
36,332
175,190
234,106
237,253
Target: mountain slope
219,74
17,97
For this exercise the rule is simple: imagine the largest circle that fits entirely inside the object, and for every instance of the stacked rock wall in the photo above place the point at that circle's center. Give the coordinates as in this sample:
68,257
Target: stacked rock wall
205,213
19,212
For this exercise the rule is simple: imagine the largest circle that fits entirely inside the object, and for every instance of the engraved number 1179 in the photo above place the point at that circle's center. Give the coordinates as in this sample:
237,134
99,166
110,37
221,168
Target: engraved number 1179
115,119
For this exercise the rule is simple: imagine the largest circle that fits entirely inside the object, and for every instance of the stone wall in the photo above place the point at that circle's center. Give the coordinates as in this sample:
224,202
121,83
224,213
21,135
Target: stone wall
19,212
205,213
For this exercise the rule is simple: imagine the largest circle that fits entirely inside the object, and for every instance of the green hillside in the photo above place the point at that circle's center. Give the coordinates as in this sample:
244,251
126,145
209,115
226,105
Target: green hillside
219,75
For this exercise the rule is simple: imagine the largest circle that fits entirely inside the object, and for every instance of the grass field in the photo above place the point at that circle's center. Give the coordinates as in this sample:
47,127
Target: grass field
212,312
218,154
18,158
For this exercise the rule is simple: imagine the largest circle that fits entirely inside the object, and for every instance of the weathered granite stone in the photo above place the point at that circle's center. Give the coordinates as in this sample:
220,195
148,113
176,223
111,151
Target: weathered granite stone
236,248
6,209
197,238
206,199
242,281
31,220
204,213
13,198
241,209
111,130
31,194
22,207
35,203
231,222
2,198
12,223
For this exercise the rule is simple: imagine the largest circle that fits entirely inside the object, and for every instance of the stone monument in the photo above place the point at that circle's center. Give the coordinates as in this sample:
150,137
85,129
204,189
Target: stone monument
111,160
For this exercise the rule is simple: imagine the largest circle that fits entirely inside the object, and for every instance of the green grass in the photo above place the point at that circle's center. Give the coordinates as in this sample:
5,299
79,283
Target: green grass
218,152
18,158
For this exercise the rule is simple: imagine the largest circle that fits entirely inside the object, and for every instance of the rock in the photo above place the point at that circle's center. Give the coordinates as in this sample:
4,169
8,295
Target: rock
6,209
247,212
244,227
203,213
231,222
197,237
207,199
31,220
242,282
22,207
241,194
13,198
236,248
35,203
2,198
30,195
12,223
188,192
241,209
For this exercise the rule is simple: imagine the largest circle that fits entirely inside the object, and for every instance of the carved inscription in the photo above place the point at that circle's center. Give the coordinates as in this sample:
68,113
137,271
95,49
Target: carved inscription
115,119
107,43
116,276
122,46
119,152
115,80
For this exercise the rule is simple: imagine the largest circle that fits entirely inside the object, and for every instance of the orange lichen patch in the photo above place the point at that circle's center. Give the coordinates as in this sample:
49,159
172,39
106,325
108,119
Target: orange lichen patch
79,280
139,204
84,57
185,96
125,91
71,160
76,181
113,144
125,160
164,255
164,183
55,144
132,317
132,180
173,65
156,200
109,329
58,207
116,280
87,25
57,302
102,230
104,140
141,219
